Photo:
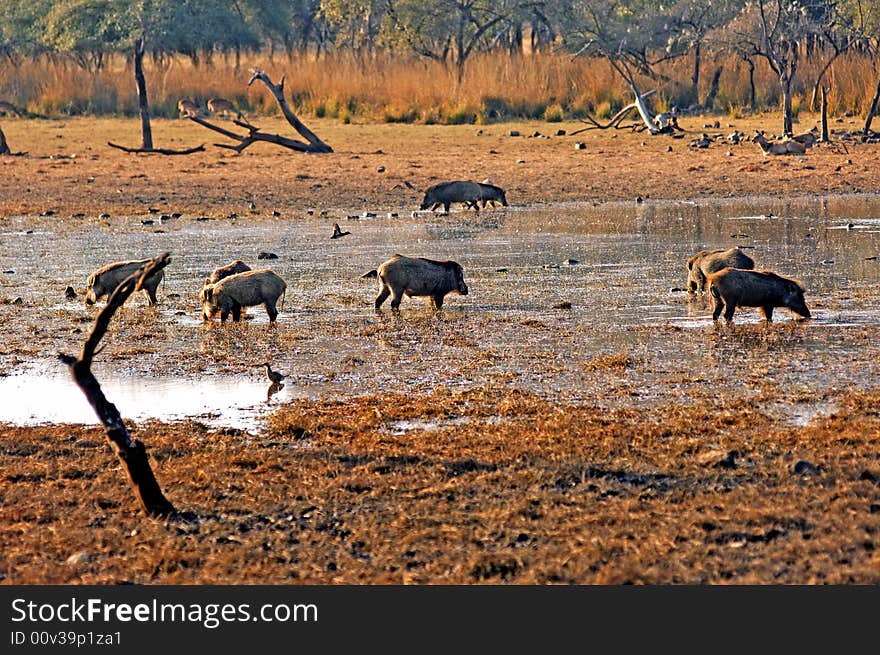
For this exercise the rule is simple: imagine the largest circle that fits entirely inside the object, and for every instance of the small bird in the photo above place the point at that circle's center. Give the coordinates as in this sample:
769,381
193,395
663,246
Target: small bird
337,232
274,376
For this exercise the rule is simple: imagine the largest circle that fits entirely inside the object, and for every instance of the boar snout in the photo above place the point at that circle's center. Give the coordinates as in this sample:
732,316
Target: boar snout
462,289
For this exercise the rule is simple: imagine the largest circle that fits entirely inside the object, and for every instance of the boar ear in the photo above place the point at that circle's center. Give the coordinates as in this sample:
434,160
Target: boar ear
207,282
209,294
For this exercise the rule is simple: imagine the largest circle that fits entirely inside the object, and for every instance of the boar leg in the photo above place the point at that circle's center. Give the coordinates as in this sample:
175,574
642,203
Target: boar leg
396,297
717,306
271,311
383,294
437,300
236,312
729,308
151,295
767,311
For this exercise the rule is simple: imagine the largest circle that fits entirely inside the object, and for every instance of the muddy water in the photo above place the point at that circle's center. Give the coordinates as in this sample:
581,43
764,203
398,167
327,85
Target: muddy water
619,265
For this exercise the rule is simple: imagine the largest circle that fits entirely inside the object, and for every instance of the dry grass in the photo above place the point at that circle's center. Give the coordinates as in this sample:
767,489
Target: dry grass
397,89
498,487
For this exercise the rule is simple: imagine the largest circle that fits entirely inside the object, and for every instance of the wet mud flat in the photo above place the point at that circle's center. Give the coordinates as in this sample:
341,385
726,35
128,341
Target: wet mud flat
573,419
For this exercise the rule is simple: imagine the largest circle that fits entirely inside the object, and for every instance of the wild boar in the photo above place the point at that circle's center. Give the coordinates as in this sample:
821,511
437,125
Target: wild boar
231,268
103,281
463,191
735,287
416,276
229,295
706,262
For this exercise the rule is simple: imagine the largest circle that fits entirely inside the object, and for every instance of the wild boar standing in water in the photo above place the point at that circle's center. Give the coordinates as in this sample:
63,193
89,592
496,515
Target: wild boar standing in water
706,262
463,191
231,268
229,295
735,287
103,281
416,276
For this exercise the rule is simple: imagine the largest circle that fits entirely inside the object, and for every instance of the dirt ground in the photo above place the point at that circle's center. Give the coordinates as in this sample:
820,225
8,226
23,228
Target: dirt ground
506,486
70,169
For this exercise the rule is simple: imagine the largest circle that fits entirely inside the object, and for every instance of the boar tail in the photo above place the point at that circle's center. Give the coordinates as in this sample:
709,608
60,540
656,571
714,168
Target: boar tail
714,291
283,294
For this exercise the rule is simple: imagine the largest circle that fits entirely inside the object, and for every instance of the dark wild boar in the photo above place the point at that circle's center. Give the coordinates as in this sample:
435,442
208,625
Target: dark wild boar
229,295
231,268
416,276
462,191
735,287
706,262
103,281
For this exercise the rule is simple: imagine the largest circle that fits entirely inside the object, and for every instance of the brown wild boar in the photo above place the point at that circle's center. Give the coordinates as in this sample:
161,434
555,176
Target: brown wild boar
707,262
735,287
229,295
105,280
231,268
416,276
463,191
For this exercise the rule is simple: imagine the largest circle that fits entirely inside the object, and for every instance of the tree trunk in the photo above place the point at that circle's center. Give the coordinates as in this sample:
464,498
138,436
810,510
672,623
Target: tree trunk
824,137
786,106
753,96
713,88
4,147
871,111
141,84
695,76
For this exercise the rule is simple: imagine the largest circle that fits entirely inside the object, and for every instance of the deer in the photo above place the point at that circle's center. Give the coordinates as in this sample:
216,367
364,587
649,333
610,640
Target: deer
809,139
780,147
187,108
222,106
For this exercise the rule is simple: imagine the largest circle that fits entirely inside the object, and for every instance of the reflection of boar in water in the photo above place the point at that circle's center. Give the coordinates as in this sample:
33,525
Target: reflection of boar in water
706,262
229,295
469,193
416,276
734,287
103,281
231,268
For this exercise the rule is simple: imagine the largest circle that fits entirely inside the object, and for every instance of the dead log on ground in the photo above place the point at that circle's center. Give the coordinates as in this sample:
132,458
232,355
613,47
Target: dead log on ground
158,151
311,144
615,121
131,452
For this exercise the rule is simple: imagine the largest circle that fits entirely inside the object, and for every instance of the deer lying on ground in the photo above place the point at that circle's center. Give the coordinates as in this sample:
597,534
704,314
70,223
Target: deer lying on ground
809,139
779,147
9,109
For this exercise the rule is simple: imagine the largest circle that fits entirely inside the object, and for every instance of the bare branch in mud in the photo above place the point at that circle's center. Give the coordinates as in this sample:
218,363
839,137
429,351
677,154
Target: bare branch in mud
131,452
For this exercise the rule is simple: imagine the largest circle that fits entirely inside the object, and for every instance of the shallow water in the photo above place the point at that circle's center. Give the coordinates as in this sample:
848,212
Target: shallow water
617,264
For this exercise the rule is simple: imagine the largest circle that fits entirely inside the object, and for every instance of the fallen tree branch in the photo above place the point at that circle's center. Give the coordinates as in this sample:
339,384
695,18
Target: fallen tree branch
253,136
131,452
157,151
615,120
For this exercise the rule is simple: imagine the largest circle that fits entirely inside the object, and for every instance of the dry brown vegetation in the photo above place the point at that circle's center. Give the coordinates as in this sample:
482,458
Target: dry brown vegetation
499,487
488,485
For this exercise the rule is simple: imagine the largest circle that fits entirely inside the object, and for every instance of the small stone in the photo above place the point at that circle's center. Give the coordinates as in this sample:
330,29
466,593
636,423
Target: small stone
479,133
803,467
580,145
204,218
148,221
728,154
867,475
729,461
48,212
513,133
668,148
570,262
560,132
18,301
535,134
520,161
176,215
252,206
503,269
267,255
69,293
153,210
76,559
380,169
639,199
562,305
104,216
9,271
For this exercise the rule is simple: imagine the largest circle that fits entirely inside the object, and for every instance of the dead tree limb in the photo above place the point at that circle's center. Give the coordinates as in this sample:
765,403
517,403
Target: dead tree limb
615,121
158,151
824,136
253,135
277,90
872,110
4,147
131,452
311,144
